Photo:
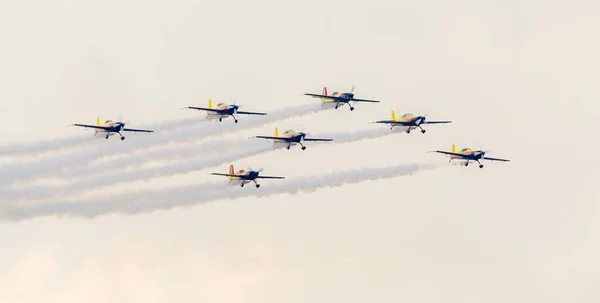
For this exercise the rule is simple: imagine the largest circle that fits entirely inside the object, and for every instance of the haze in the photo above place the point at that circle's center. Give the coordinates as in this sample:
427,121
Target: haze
517,78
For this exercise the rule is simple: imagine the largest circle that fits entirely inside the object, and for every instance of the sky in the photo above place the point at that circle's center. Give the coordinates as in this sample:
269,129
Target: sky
371,216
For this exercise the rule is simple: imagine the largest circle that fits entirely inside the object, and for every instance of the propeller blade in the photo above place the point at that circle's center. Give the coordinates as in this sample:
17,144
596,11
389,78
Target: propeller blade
353,88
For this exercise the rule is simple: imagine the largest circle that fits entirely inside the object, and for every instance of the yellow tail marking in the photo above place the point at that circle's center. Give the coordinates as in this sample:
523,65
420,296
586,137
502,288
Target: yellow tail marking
453,148
98,121
276,132
393,115
209,103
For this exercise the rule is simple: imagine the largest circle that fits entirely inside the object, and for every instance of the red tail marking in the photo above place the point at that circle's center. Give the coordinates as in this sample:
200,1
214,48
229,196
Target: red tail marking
324,91
231,172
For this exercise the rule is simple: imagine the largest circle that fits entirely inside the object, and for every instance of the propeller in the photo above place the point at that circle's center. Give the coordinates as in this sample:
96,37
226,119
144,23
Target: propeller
353,88
259,170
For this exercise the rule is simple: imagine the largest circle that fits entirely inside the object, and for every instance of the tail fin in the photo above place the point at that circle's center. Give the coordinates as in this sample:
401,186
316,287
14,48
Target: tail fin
231,171
209,103
324,93
98,121
453,148
276,132
393,116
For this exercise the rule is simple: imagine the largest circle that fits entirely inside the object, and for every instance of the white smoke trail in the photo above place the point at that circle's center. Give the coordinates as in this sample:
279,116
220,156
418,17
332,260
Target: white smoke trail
151,200
87,140
196,150
89,177
65,162
80,185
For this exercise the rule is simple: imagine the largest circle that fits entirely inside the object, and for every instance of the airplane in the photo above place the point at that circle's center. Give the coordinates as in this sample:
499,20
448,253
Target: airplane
110,128
339,99
242,176
409,121
223,110
291,137
467,154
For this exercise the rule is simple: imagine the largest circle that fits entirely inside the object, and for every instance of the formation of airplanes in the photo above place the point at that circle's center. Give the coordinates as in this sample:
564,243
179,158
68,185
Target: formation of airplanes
289,138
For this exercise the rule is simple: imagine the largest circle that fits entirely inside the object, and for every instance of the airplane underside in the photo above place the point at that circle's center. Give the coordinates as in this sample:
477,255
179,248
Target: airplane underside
106,134
407,129
336,104
241,182
464,162
287,145
220,117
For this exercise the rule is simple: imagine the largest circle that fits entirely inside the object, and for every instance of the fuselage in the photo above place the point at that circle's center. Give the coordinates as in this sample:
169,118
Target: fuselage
114,128
468,154
294,137
224,111
243,176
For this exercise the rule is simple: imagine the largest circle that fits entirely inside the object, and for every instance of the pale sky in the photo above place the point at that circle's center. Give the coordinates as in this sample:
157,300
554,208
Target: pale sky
517,78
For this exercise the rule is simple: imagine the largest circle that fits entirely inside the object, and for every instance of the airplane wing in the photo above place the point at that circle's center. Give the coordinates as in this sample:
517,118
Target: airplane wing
436,122
250,113
392,122
273,138
317,139
450,153
92,126
226,175
269,177
320,96
137,130
365,100
204,108
495,159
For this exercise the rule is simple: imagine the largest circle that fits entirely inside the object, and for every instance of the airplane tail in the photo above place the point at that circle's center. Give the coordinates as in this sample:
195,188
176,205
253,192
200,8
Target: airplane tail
209,103
393,115
324,93
98,121
276,132
231,172
453,148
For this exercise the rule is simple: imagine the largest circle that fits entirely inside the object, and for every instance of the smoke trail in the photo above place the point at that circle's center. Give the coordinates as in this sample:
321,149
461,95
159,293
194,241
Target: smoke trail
21,171
191,151
79,186
88,176
151,200
58,144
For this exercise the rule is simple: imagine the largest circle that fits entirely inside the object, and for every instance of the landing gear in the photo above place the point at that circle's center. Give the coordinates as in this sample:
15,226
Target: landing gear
466,164
351,108
408,131
234,119
242,185
480,165
288,147
303,147
257,185
106,136
422,131
122,138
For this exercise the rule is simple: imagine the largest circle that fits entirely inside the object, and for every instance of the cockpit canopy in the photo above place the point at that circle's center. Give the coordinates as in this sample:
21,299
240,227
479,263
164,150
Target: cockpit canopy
465,149
407,115
221,104
108,121
289,131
